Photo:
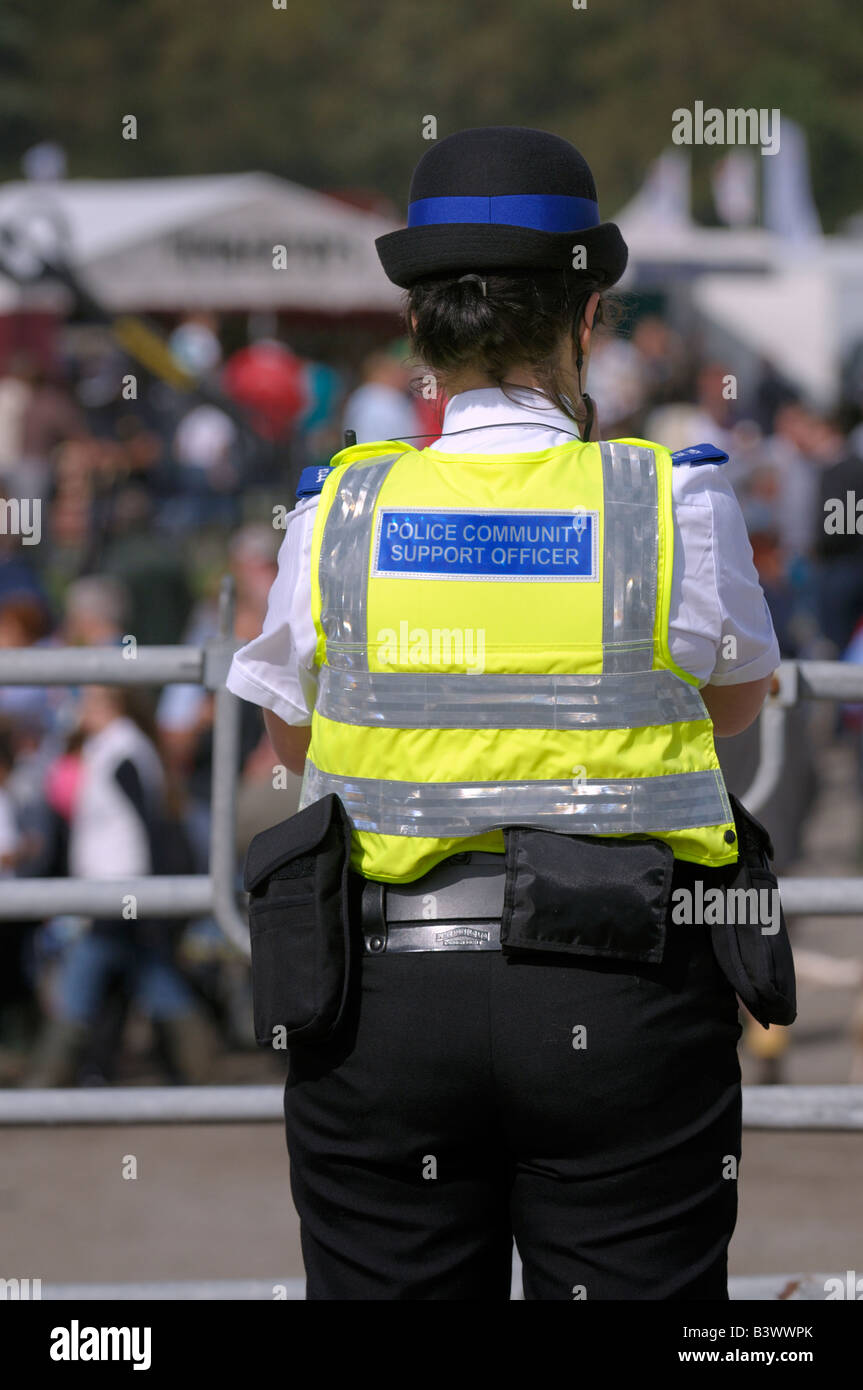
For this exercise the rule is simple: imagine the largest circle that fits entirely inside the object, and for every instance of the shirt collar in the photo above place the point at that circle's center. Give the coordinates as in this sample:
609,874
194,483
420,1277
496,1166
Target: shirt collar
489,405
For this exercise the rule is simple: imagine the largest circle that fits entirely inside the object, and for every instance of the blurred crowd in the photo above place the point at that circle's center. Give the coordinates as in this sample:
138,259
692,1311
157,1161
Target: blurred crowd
787,459
146,497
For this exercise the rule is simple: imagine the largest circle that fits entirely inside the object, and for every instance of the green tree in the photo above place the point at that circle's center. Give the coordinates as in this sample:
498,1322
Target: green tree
334,95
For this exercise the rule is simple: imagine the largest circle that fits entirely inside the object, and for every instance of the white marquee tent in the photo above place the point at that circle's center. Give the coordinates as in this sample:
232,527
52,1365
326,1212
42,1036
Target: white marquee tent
795,301
209,242
205,242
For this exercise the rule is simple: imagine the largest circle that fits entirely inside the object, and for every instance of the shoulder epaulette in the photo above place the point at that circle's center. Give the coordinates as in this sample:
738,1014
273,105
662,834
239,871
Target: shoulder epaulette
312,480
700,453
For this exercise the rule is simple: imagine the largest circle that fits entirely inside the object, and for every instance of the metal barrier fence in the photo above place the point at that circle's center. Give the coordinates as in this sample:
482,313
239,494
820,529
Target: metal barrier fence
813,1108
165,895
216,892
759,1288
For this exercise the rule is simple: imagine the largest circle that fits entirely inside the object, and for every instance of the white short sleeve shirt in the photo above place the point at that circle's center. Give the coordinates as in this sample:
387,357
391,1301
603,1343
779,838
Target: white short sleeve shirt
720,627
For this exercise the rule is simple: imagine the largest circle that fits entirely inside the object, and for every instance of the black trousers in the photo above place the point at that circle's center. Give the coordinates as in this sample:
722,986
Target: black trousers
590,1109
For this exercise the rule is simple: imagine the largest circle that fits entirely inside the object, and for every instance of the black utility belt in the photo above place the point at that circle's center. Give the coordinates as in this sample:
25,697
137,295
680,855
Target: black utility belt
481,934
552,895
456,906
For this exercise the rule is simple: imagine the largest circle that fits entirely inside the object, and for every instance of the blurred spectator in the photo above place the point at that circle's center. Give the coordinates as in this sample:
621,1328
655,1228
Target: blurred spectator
152,573
117,831
184,715
664,361
382,408
9,837
17,1010
139,457
71,518
616,382
18,574
140,500
839,554
706,420
268,381
772,392
195,343
789,452
205,450
94,610
50,417
25,622
770,562
852,714
16,389
318,425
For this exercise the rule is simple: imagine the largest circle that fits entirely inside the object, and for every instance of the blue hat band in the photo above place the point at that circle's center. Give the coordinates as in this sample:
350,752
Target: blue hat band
543,212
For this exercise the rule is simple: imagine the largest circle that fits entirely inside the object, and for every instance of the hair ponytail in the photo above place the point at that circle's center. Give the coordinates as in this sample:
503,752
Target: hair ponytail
492,323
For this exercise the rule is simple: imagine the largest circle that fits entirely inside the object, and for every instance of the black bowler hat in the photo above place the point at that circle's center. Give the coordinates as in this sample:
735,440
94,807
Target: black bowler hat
499,198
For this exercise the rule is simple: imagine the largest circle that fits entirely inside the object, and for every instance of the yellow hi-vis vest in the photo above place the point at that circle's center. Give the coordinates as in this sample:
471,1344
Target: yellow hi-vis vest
493,651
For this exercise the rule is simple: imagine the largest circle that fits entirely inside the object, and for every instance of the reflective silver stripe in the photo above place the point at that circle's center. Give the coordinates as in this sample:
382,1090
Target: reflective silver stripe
344,562
639,805
630,551
377,699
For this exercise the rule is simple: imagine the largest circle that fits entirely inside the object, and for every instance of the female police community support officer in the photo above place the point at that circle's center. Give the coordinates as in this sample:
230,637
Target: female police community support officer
512,628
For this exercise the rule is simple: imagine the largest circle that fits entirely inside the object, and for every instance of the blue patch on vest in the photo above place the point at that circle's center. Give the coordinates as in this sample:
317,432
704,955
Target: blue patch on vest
453,544
700,453
312,480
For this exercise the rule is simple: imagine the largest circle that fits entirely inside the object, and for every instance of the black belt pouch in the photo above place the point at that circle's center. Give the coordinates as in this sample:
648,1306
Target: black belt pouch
297,876
755,955
586,895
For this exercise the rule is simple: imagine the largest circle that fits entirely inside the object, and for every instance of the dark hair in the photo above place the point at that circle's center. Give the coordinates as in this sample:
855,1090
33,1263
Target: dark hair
138,704
521,319
29,613
7,746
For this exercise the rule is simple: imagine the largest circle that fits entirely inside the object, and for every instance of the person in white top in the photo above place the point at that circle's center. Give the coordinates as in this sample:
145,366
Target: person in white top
117,830
381,407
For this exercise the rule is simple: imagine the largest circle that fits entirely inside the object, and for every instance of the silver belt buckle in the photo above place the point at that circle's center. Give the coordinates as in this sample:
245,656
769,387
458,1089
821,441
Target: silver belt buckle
444,911
443,936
